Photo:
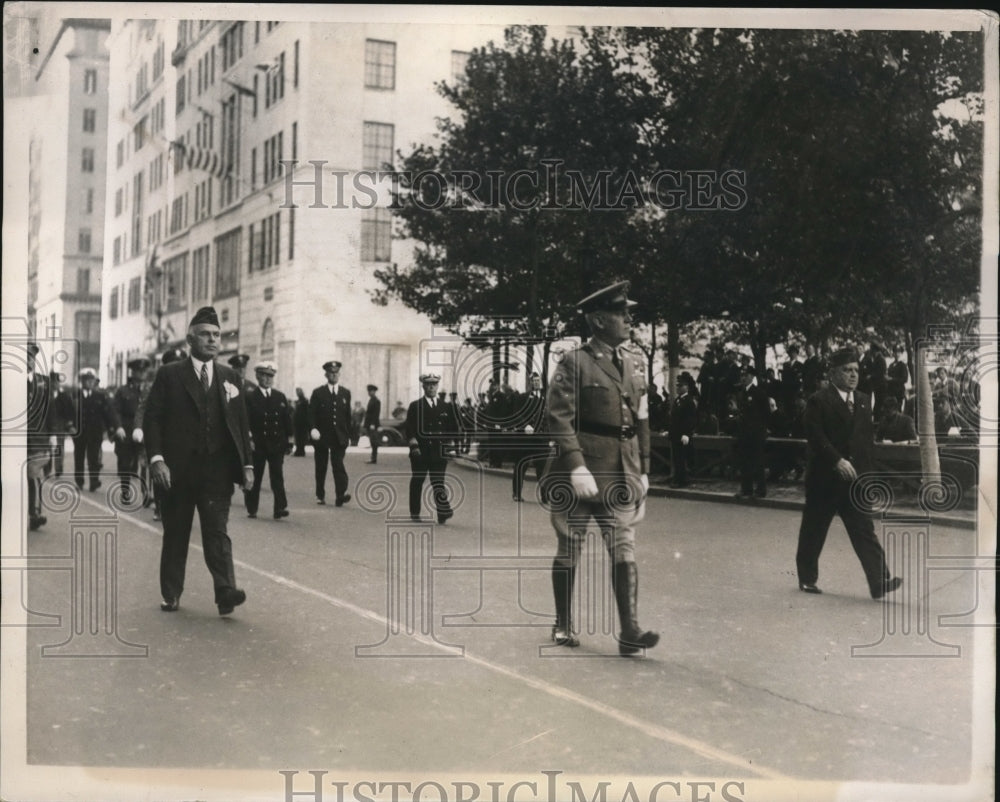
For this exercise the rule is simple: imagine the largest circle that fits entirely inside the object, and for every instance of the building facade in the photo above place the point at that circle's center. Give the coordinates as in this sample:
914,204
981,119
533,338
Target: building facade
206,116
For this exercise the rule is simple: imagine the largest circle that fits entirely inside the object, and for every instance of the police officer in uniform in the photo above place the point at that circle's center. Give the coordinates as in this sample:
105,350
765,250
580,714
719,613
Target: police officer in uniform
598,418
126,405
430,426
330,431
271,433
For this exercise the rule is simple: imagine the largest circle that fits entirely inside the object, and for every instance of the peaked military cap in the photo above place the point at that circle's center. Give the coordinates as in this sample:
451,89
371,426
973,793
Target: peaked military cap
844,356
614,296
206,314
333,364
430,378
267,368
88,373
239,360
173,355
139,363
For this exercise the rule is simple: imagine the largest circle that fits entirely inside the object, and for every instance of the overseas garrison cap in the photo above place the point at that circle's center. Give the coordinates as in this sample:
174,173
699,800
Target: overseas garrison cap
139,363
843,357
612,297
172,355
267,368
333,364
239,360
430,378
205,315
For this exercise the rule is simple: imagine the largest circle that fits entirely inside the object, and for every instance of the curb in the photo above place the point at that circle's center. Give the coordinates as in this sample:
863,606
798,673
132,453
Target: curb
728,498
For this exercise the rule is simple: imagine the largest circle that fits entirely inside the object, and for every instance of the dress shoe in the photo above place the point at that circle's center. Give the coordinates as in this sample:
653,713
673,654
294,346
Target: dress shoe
36,521
94,486
444,516
564,637
230,599
887,587
170,605
343,500
634,643
809,587
517,498
320,500
251,515
281,514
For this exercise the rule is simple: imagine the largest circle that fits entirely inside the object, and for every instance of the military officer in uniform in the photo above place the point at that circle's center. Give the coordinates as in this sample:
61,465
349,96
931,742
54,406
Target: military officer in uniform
271,434
97,416
598,418
430,426
238,362
126,405
330,431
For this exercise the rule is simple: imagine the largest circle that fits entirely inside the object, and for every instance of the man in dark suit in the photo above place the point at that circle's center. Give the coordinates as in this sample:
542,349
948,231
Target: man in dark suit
791,378
683,422
39,425
238,362
897,376
138,436
270,419
838,423
63,421
598,417
373,413
301,420
813,372
198,444
750,442
330,430
97,416
430,425
530,447
126,403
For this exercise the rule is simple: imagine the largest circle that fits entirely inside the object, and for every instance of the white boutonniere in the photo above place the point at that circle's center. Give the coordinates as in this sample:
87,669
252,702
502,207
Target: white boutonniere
231,390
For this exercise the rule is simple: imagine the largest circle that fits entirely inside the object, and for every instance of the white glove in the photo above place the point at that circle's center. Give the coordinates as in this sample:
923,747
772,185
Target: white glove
644,480
119,433
685,439
52,440
529,429
137,435
314,434
584,484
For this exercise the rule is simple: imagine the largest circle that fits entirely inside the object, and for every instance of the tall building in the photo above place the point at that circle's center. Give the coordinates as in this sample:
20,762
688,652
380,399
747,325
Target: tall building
201,211
66,186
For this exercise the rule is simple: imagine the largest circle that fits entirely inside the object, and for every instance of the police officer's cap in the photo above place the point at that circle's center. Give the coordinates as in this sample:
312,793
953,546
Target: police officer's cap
267,368
206,314
613,297
430,378
844,356
372,388
88,373
333,364
139,363
172,355
239,360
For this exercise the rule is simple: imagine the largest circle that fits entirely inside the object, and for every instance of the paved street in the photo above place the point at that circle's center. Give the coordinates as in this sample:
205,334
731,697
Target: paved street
752,680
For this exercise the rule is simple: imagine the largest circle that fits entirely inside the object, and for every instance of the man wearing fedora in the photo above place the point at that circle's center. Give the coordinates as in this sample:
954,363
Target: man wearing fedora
430,426
271,431
598,418
97,416
839,431
330,432
126,403
198,445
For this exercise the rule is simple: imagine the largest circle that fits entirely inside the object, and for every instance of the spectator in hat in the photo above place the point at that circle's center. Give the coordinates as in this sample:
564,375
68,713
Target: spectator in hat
840,436
750,443
791,378
873,374
373,412
430,426
97,417
126,403
239,362
897,377
330,431
198,444
301,421
683,422
270,419
894,426
598,417
813,371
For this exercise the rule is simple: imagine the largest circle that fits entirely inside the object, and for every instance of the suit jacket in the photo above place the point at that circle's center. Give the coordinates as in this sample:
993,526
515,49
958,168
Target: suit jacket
97,415
755,413
171,417
41,414
430,428
832,434
587,393
270,420
372,414
683,417
331,415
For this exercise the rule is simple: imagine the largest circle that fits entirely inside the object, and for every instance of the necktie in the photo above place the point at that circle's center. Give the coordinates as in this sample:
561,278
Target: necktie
204,377
850,404
616,360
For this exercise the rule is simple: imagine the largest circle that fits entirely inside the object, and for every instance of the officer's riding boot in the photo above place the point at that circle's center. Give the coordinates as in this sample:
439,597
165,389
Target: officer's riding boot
631,639
563,578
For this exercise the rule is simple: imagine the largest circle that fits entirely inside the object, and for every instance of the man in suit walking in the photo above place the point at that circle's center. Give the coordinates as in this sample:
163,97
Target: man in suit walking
63,421
126,403
97,416
330,431
598,416
198,444
271,433
838,422
750,442
530,446
370,424
430,426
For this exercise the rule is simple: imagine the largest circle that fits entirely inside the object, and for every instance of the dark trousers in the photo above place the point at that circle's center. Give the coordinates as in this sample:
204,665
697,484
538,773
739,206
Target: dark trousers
58,455
822,503
751,463
680,458
373,435
523,461
128,460
335,457
301,438
434,467
275,462
209,489
88,449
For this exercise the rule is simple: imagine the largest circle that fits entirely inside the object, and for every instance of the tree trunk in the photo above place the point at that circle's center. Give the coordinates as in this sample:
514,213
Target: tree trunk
673,354
930,462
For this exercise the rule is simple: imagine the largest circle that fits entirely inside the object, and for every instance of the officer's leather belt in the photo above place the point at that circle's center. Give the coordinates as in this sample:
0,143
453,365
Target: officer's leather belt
603,430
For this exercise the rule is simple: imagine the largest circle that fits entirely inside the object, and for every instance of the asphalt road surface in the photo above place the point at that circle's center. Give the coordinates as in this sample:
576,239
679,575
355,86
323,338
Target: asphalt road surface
369,644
